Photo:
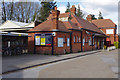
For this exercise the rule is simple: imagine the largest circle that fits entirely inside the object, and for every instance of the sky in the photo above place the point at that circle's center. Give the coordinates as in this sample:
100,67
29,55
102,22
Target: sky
109,8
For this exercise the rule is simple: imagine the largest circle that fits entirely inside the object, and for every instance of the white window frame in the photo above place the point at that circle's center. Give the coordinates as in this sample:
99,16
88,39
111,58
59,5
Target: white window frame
74,38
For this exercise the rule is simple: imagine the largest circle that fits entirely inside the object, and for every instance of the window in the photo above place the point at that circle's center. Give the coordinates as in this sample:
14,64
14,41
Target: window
93,41
87,39
90,41
68,42
60,42
8,43
79,39
64,39
83,41
74,38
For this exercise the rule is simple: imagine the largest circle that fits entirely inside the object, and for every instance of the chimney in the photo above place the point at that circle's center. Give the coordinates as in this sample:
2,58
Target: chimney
73,9
89,18
55,14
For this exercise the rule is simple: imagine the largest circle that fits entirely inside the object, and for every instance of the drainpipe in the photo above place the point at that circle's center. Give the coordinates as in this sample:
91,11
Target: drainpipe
52,45
81,41
34,46
71,42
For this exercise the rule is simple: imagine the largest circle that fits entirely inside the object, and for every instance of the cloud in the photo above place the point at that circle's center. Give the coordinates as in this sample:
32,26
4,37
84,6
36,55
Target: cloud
109,8
62,9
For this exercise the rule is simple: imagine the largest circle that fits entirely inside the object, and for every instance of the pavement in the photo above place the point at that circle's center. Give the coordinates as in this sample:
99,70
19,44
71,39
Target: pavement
102,64
13,63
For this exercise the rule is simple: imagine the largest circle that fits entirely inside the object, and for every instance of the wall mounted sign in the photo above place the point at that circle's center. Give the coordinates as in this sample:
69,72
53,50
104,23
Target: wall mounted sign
48,40
109,31
37,40
60,42
43,39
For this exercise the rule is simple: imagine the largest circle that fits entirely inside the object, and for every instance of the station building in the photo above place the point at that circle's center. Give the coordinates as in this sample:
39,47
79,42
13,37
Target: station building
65,33
109,28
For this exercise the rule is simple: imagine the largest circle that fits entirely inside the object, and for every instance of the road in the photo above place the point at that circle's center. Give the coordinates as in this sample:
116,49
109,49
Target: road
99,65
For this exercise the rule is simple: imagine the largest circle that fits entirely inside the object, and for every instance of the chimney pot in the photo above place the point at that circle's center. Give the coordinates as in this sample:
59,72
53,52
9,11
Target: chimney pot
89,18
55,8
73,9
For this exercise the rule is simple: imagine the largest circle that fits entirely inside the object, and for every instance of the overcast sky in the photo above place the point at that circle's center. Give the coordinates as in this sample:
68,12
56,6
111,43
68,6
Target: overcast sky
109,8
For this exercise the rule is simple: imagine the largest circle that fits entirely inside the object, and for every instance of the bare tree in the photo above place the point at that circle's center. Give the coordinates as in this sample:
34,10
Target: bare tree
20,11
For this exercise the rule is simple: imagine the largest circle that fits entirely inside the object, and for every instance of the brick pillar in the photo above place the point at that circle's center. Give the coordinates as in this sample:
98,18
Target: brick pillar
73,9
89,18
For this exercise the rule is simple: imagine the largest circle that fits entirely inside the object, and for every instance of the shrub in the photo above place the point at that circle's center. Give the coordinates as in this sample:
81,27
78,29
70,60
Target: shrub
105,47
116,44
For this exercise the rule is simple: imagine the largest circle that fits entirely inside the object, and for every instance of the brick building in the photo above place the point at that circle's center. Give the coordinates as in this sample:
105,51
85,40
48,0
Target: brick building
64,33
108,27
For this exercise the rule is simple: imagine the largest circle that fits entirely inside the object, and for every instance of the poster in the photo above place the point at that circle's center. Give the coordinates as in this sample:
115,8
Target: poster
42,41
68,42
60,42
37,40
48,40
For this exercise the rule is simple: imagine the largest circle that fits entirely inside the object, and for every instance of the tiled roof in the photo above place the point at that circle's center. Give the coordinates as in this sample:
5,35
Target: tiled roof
82,23
47,26
75,23
103,23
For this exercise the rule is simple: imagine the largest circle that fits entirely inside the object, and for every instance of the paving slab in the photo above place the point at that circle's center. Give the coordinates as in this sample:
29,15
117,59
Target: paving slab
22,61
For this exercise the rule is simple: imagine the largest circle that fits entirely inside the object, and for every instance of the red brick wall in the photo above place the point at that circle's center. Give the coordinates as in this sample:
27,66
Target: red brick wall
86,47
76,46
31,43
111,36
61,50
48,49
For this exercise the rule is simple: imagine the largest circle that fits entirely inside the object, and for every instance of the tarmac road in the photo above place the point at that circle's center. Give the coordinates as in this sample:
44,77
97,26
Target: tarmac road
99,65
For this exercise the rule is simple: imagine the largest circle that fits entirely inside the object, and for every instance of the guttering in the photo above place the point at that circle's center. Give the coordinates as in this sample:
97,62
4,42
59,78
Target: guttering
48,31
92,31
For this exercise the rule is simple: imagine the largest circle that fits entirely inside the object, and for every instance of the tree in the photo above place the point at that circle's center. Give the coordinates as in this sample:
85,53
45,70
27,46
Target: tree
3,11
79,12
68,8
93,17
20,11
100,15
45,9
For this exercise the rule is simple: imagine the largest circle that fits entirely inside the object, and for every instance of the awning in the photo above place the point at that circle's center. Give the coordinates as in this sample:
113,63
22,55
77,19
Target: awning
99,35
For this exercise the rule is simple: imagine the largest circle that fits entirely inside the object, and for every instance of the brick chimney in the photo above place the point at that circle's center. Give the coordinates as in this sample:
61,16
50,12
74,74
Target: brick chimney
73,9
89,18
55,14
